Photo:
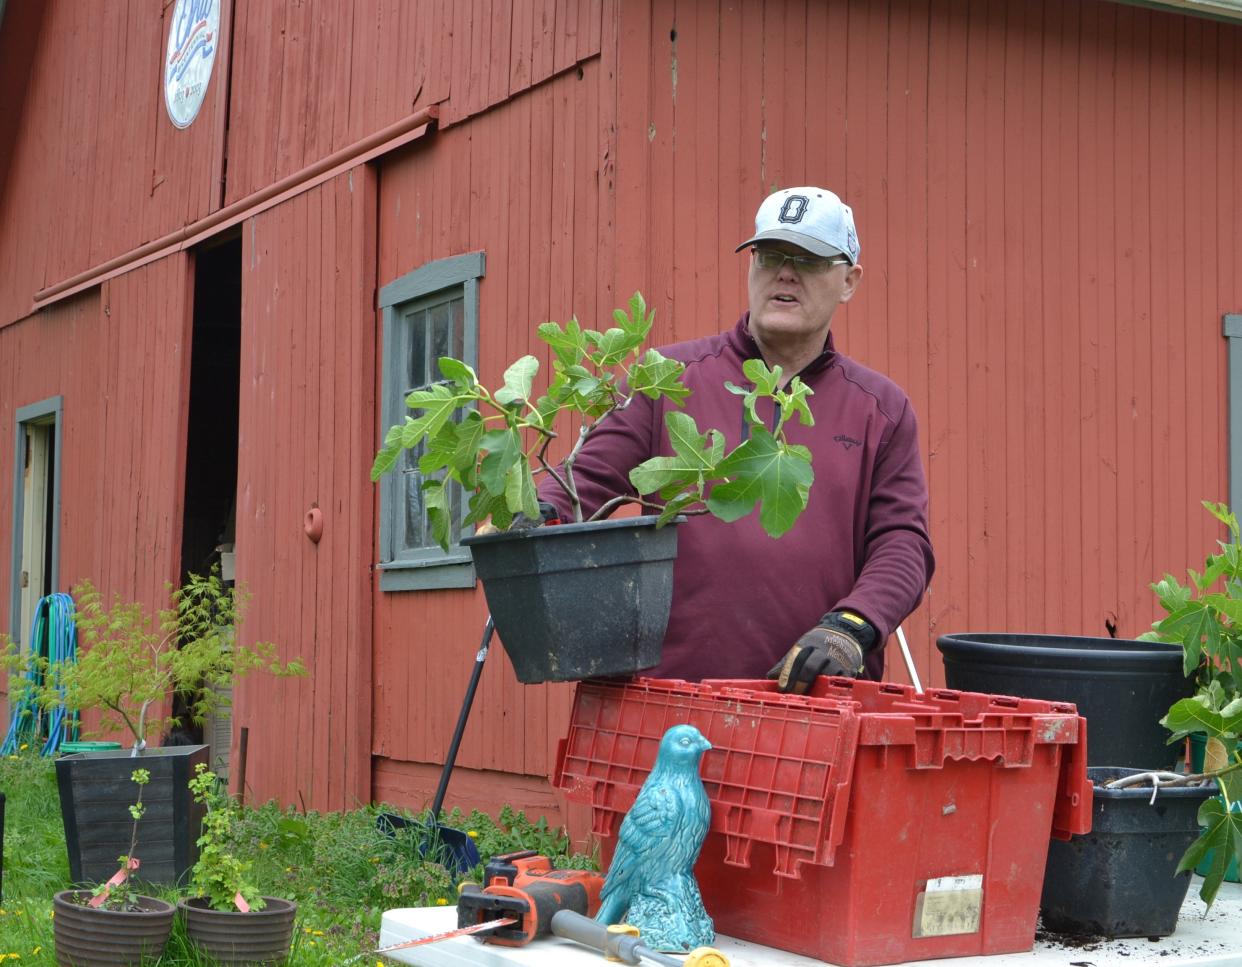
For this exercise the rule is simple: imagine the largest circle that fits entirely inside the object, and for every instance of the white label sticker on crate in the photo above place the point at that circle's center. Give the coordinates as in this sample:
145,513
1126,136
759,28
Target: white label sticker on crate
949,905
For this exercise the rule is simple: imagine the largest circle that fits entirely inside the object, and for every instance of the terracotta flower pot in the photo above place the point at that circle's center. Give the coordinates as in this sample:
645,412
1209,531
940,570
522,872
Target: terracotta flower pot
90,937
232,937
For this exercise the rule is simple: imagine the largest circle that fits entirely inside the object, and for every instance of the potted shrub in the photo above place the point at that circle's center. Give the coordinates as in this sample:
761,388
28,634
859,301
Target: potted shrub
590,597
127,664
1130,875
226,915
1205,619
113,923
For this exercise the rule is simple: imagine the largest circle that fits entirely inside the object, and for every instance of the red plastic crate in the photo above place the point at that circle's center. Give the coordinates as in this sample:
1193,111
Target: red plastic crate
856,824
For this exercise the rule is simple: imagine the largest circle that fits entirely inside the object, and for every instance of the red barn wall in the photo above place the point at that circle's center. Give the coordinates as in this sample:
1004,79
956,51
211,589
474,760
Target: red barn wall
93,137
1046,207
1047,211
306,425
118,355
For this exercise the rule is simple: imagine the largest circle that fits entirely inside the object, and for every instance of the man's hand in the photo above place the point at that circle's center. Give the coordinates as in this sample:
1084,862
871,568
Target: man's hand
548,514
835,646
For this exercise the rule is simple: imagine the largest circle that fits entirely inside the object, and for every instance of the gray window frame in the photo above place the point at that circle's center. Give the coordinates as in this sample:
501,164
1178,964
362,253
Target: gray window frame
458,275
50,410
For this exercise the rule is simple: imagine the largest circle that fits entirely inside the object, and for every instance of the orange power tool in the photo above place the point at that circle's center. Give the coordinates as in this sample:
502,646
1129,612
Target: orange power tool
525,887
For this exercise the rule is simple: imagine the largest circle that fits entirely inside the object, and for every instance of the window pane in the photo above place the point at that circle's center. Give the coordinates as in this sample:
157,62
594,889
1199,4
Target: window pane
457,313
416,373
412,483
441,341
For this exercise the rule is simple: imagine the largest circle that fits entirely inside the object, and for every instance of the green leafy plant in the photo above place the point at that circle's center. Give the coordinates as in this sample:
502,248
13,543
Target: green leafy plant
220,875
127,662
119,893
493,442
1205,618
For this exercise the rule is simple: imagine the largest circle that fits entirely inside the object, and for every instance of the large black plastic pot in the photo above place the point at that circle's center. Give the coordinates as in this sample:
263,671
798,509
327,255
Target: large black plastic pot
1123,687
579,600
90,937
1120,879
96,792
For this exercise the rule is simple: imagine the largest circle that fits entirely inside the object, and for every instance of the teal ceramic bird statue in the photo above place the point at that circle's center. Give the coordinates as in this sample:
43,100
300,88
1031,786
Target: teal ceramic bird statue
650,883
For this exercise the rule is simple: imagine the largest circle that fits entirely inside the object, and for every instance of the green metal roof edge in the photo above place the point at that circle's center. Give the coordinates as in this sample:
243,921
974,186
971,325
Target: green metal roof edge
1222,12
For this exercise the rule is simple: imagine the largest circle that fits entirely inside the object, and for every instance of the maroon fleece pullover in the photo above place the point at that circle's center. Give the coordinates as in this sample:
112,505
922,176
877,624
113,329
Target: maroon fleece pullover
740,597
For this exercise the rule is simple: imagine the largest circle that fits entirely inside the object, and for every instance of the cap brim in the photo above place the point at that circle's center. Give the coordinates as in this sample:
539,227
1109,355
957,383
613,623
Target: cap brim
812,245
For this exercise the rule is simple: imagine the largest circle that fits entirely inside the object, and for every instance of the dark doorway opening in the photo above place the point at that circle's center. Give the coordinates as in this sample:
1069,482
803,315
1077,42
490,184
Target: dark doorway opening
215,373
209,519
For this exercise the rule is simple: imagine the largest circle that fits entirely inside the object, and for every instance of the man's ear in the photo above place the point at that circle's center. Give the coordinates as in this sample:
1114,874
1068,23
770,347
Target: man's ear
852,278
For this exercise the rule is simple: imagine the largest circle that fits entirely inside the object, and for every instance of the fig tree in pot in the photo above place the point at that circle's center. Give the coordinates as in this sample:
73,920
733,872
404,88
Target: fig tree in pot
128,664
590,597
227,916
1205,619
1130,875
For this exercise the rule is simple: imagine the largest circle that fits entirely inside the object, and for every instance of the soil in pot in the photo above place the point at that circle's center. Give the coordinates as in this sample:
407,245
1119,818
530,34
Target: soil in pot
232,937
1120,879
90,937
579,600
1123,687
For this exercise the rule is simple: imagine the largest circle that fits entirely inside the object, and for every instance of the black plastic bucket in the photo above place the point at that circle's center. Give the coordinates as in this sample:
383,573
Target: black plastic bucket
1123,687
577,601
1120,879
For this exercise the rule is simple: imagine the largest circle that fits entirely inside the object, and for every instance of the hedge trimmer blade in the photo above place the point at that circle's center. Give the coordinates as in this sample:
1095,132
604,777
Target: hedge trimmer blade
437,937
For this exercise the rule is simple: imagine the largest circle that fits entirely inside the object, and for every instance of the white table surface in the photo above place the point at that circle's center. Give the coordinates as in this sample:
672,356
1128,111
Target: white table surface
1211,941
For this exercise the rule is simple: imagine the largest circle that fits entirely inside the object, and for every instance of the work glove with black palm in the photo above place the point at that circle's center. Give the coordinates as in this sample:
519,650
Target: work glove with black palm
835,646
548,515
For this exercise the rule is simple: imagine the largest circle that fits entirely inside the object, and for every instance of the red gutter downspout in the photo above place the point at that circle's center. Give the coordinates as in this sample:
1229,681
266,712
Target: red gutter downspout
381,142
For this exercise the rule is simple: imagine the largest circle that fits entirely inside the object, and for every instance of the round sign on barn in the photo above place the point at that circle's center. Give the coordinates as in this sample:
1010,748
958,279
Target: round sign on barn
192,43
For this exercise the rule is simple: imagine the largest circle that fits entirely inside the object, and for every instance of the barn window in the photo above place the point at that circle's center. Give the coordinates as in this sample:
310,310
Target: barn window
428,313
36,511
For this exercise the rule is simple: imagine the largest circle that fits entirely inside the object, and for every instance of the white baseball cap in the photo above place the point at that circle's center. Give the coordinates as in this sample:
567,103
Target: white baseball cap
811,218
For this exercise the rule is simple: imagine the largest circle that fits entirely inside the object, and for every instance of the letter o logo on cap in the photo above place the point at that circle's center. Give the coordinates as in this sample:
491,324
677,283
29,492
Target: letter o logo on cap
794,208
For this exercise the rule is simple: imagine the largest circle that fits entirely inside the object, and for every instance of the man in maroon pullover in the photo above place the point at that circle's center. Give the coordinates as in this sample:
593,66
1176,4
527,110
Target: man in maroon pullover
823,599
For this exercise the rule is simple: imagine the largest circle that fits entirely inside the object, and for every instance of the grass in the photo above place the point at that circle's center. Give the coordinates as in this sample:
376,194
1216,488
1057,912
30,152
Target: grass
343,872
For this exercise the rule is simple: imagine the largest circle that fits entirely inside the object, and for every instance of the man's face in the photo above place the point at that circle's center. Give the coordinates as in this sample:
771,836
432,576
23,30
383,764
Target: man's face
796,303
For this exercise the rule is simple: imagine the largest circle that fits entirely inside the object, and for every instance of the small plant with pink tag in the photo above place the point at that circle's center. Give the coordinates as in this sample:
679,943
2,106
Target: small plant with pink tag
220,876
119,892
227,916
113,924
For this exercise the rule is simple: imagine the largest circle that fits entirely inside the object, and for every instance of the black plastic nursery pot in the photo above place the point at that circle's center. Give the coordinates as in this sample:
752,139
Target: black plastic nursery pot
578,601
1121,686
96,792
1120,879
89,937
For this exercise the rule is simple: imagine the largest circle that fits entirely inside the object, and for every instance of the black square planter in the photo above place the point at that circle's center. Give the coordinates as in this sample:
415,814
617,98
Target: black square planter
95,795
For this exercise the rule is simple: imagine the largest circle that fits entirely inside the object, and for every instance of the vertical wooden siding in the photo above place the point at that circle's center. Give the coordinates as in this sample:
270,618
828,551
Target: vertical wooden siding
1042,277
305,430
1047,212
306,80
94,136
1045,205
119,357
528,185
310,79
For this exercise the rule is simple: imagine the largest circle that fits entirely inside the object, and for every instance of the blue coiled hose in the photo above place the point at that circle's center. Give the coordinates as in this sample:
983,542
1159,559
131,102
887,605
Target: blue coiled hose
54,636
